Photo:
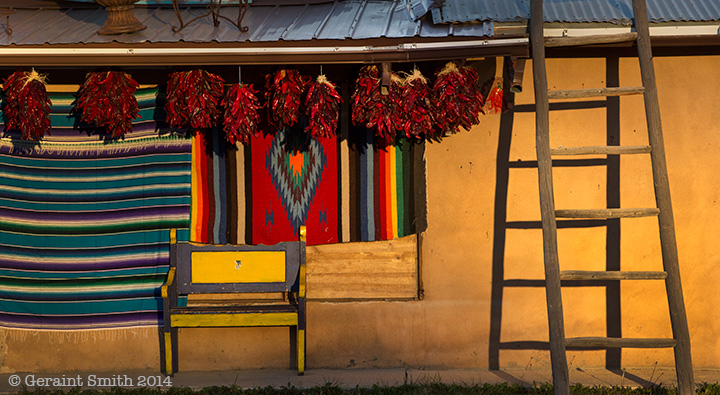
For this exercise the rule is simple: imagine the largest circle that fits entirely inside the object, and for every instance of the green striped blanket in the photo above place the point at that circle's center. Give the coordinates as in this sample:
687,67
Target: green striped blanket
84,222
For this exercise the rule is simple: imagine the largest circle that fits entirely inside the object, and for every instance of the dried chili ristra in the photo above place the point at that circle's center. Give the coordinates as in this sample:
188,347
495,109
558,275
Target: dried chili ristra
458,98
372,109
417,107
494,102
365,95
284,91
107,99
387,116
27,105
241,116
193,99
322,106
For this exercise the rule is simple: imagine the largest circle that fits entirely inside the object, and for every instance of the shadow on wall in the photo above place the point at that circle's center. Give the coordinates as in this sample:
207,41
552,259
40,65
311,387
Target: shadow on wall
501,224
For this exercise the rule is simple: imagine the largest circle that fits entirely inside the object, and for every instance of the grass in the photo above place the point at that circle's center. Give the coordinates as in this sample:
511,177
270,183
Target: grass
431,388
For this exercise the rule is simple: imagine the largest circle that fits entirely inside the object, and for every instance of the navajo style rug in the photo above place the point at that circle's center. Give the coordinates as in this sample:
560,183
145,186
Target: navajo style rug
84,224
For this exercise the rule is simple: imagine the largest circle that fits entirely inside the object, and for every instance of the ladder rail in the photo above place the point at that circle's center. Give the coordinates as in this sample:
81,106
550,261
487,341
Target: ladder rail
678,316
558,357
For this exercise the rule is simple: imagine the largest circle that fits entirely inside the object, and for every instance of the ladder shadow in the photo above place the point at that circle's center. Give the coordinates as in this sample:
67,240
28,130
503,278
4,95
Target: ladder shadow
501,224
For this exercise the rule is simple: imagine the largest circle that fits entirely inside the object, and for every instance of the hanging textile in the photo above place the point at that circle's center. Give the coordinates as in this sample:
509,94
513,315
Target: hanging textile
387,197
340,189
84,223
294,183
209,216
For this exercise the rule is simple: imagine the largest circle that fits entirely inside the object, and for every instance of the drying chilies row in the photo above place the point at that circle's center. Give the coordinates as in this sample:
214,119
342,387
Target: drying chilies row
197,100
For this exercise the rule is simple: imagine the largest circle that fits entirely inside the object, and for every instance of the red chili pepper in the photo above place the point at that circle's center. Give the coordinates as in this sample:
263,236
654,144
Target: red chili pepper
241,113
417,107
27,105
107,99
284,92
458,98
366,95
374,110
193,99
494,103
322,106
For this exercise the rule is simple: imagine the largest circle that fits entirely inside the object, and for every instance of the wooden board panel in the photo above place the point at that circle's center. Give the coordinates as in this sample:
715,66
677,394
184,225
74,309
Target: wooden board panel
238,267
356,271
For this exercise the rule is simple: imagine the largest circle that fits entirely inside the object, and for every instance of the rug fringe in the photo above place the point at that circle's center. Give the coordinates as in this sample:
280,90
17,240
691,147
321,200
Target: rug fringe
76,336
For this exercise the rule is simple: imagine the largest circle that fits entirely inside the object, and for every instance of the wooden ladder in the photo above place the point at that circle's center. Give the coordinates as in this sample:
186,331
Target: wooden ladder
553,276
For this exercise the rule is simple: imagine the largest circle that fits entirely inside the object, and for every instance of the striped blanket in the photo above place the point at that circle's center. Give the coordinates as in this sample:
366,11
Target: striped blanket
84,223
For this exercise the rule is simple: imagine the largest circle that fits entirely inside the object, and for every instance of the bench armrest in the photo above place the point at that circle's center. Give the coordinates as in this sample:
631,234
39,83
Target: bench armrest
168,282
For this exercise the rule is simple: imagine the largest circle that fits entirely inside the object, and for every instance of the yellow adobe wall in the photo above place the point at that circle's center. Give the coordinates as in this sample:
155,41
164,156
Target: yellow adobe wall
451,326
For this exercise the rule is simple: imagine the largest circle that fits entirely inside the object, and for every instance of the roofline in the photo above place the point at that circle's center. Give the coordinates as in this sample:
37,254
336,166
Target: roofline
665,29
204,54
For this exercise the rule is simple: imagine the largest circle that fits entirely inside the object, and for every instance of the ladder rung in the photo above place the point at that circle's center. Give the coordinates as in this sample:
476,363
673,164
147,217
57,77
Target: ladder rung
610,275
589,40
618,342
608,213
602,150
595,92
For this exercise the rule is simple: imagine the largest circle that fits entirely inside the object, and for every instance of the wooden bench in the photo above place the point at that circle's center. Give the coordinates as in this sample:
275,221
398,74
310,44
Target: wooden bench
204,269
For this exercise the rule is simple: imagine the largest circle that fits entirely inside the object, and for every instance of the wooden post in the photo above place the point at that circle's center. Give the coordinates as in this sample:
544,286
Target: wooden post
678,319
561,382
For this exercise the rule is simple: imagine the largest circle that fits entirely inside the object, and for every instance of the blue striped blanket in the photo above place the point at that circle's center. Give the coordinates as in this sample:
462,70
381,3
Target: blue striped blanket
84,223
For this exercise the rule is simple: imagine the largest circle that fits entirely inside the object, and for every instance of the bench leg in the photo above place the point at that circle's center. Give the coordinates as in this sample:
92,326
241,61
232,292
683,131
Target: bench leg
168,339
301,350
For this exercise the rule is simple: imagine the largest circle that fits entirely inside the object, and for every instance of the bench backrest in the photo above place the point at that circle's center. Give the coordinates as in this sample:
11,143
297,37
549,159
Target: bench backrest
205,268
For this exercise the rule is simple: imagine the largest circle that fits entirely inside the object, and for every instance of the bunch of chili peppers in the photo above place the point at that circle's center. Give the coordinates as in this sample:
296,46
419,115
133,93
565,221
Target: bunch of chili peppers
283,91
366,95
241,117
459,98
107,99
416,107
374,110
27,105
193,99
322,106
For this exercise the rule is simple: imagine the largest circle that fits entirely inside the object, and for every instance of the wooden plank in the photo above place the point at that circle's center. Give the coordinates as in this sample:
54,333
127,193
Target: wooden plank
608,213
602,150
408,243
595,92
611,275
561,381
230,320
551,42
615,342
360,271
678,316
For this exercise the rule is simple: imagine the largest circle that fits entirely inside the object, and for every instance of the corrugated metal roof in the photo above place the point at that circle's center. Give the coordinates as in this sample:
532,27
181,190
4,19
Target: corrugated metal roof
338,20
576,11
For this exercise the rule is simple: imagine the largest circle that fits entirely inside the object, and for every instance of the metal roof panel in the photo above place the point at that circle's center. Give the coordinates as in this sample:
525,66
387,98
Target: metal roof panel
576,11
400,23
374,20
300,21
307,24
341,21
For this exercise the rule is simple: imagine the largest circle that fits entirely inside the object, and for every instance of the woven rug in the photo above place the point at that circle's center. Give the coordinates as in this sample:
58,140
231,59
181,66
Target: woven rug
340,189
84,223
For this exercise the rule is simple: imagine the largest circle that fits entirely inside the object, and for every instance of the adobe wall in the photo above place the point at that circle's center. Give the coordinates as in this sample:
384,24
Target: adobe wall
451,327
